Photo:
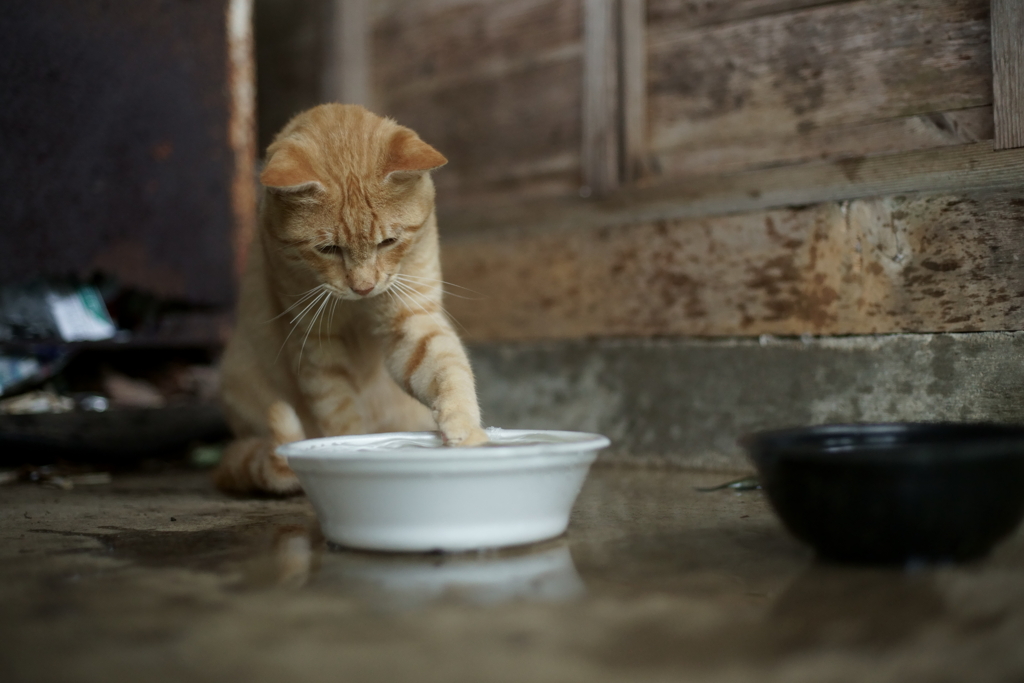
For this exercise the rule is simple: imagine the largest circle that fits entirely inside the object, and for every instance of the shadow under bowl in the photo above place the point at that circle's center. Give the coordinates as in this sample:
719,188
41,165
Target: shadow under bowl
894,493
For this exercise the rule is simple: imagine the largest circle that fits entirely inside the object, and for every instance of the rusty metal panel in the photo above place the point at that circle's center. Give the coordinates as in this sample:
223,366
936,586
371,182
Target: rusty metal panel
116,143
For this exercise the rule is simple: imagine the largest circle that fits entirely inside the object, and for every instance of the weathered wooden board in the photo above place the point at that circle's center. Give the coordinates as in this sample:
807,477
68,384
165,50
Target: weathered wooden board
503,136
896,264
346,75
1008,72
614,95
751,84
601,111
416,46
496,87
633,88
383,9
950,169
904,134
672,15
797,72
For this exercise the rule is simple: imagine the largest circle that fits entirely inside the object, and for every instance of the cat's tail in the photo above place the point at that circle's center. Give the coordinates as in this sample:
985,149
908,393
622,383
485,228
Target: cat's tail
251,464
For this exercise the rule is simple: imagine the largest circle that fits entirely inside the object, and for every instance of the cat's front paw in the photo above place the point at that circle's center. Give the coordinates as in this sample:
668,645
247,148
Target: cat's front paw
462,432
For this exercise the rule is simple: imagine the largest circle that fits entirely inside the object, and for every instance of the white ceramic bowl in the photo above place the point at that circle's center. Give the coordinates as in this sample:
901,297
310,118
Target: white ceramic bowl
407,492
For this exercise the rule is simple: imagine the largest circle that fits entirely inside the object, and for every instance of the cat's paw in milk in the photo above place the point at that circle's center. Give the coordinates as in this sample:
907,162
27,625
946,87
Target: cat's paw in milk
462,432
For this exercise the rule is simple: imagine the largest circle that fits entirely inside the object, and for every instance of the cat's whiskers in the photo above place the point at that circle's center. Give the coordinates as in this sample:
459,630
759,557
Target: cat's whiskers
393,290
408,297
433,279
293,321
320,327
415,296
303,295
309,329
302,298
330,319
311,304
400,299
334,299
416,280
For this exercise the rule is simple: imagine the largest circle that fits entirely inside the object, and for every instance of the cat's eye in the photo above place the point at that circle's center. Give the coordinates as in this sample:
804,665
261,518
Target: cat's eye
387,243
329,249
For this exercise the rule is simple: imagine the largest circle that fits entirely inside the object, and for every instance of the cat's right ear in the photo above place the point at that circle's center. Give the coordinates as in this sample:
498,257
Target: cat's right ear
409,157
288,172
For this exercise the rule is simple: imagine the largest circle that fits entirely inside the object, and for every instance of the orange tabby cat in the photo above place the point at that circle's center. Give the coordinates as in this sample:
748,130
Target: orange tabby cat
340,327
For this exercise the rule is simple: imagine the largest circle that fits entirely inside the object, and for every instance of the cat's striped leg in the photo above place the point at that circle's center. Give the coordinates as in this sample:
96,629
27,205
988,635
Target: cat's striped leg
425,356
251,464
330,391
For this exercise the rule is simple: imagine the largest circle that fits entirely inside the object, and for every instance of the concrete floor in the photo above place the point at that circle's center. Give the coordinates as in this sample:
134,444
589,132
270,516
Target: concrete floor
160,578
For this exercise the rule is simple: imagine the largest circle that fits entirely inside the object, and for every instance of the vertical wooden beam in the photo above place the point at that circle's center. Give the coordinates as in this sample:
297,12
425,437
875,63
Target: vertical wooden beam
1008,72
600,116
632,87
241,79
347,76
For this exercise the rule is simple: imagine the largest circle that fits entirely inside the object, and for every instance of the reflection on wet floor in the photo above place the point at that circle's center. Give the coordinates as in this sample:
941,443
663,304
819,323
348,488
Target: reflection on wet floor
653,579
296,555
829,605
301,557
824,609
536,574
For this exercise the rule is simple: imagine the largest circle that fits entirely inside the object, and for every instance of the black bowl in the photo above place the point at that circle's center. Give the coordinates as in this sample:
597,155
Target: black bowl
893,493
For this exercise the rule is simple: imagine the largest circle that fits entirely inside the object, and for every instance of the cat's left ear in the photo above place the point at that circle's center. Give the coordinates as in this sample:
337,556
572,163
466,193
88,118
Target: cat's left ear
409,157
288,171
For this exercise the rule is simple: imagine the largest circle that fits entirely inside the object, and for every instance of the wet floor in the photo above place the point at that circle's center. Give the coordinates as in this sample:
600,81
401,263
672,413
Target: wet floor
161,575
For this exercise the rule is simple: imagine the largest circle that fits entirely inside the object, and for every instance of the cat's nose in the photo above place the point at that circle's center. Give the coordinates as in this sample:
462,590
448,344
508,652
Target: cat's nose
363,292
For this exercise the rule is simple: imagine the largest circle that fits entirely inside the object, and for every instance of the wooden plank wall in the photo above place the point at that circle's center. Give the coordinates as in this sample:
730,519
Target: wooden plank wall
807,167
633,88
601,111
840,80
1008,72
496,85
347,67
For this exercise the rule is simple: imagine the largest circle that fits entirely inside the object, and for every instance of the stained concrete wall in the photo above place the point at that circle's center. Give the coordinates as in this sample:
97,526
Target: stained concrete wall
686,401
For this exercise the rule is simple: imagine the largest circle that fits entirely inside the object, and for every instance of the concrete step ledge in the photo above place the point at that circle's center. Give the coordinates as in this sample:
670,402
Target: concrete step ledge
687,401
